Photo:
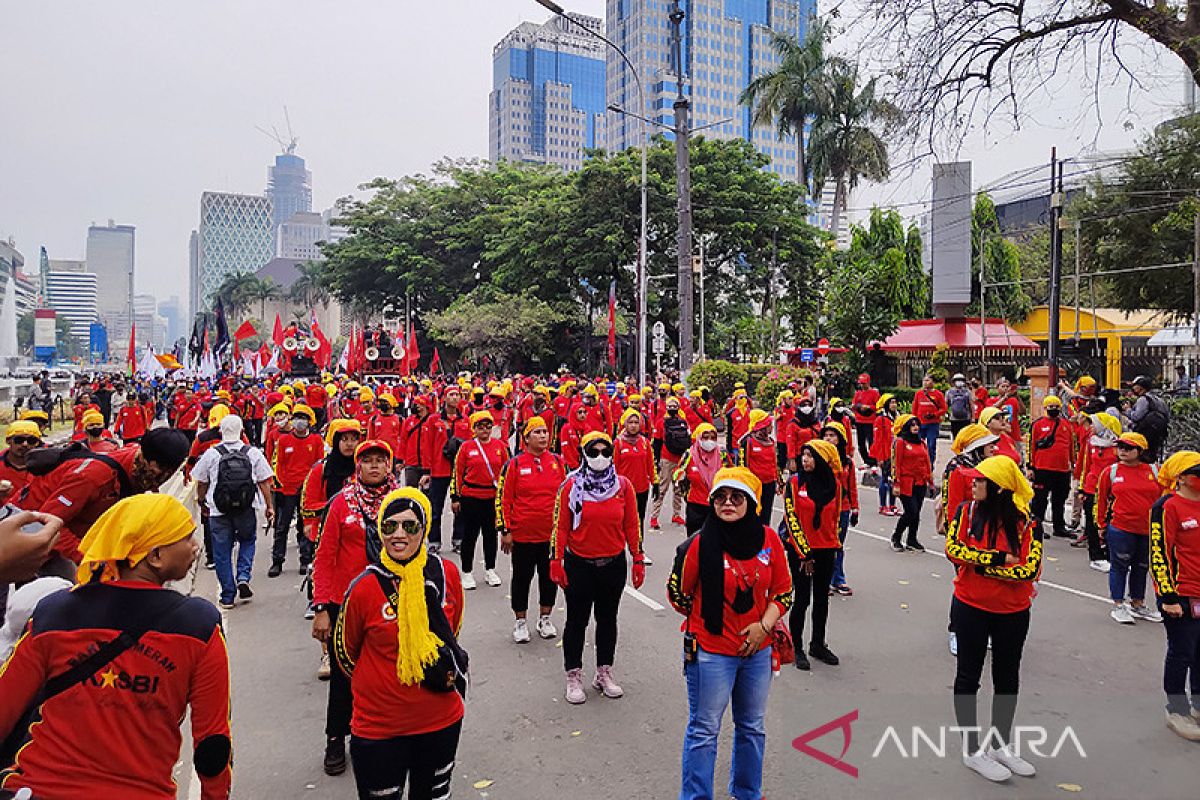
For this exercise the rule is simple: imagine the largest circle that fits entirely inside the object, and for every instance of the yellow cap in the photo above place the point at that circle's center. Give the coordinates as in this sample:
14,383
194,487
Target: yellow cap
23,428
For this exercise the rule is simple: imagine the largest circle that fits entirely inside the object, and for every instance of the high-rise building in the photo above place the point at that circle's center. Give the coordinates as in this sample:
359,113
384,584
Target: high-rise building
193,277
548,93
298,237
72,292
171,311
289,186
235,236
110,257
726,44
11,264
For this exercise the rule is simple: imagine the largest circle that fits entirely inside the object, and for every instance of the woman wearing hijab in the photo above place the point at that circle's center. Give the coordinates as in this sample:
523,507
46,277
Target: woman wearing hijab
839,412
914,473
349,541
633,456
696,472
881,452
96,734
730,581
1125,494
595,522
837,435
756,452
996,420
812,506
408,669
802,429
1099,455
994,543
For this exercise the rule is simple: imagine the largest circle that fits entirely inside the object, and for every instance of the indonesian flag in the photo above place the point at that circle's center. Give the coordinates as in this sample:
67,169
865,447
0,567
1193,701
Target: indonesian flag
414,352
612,323
277,335
435,363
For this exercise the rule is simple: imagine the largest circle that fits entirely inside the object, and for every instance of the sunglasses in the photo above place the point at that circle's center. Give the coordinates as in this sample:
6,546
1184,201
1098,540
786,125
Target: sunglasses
1123,446
24,440
599,452
728,497
410,527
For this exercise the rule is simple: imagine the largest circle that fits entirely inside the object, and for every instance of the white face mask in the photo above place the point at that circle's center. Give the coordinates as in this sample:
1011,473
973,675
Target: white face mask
599,463
806,409
708,445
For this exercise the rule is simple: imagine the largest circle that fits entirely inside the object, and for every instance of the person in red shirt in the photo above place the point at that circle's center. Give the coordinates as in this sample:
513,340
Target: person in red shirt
595,522
113,732
994,543
1051,448
572,434
525,518
473,497
254,411
913,476
437,463
633,457
410,440
84,404
756,452
22,437
131,423
278,423
402,731
865,405
731,584
1099,456
95,436
929,407
1008,401
881,452
676,437
997,421
784,412
327,477
836,434
802,429
696,471
385,425
295,453
188,412
1124,496
1175,568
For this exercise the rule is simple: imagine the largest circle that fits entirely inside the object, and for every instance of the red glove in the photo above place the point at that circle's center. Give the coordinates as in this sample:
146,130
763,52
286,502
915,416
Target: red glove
557,573
638,573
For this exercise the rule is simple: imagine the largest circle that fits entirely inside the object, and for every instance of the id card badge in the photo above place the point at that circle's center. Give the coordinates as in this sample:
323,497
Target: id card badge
1195,603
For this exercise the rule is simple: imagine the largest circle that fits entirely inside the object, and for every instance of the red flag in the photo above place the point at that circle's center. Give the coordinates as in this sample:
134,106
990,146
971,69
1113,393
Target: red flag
325,351
612,324
264,353
277,335
244,331
131,358
414,352
236,355
435,363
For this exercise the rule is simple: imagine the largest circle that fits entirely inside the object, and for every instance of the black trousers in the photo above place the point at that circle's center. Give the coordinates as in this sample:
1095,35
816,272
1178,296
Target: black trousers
254,431
412,476
814,587
865,433
425,761
957,425
1053,488
437,499
592,588
910,520
475,520
1007,632
208,547
643,500
1097,549
694,515
287,507
528,558
341,701
768,503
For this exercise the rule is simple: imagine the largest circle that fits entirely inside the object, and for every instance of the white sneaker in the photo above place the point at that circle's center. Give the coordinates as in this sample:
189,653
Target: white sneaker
468,580
1121,614
953,643
1184,726
1005,757
649,562
1146,612
987,766
323,670
521,632
575,694
545,628
491,578
1100,566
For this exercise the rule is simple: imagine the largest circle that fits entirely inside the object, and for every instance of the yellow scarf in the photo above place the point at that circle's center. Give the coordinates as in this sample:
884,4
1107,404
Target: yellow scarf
417,646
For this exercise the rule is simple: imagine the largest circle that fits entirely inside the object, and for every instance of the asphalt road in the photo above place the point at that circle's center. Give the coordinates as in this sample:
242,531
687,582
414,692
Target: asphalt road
522,740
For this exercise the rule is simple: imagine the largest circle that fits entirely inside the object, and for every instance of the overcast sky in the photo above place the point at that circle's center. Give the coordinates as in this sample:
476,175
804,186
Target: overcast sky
128,110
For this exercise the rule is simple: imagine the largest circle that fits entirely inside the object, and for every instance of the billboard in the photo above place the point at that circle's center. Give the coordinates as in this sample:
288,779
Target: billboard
950,239
45,335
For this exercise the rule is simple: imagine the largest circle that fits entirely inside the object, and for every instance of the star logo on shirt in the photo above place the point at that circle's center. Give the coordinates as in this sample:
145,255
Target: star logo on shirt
109,679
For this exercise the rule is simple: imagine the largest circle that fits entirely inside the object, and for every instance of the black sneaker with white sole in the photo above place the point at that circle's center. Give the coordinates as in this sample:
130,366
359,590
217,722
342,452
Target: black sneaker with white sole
244,591
276,569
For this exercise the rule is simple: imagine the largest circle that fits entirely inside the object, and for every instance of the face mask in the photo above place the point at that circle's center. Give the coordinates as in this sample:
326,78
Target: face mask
300,425
1053,412
959,384
673,412
94,431
598,463
806,409
708,445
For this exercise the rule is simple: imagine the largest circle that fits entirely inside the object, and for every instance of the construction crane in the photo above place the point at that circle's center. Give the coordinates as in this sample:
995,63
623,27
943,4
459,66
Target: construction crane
288,145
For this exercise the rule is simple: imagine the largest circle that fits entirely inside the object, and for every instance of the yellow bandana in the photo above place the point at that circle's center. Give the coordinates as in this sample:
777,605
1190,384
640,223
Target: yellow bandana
129,531
417,646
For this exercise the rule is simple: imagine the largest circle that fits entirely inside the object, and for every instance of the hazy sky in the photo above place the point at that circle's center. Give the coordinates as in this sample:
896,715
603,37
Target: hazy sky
129,109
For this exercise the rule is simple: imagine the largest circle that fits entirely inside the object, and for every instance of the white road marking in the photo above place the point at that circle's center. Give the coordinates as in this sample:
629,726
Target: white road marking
1049,584
643,599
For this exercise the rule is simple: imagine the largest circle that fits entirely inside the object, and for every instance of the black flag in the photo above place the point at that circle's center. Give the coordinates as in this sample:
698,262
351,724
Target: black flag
222,330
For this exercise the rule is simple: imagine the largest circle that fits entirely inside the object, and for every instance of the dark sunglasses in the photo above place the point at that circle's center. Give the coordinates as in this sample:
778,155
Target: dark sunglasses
1124,446
24,440
596,452
411,527
728,497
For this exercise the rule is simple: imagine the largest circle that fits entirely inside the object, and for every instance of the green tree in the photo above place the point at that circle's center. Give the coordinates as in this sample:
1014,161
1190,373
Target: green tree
236,293
264,291
500,326
1001,263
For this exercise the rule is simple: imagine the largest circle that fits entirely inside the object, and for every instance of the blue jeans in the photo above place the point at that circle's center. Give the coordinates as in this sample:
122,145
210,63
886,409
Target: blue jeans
929,432
712,681
1129,555
886,498
226,530
839,574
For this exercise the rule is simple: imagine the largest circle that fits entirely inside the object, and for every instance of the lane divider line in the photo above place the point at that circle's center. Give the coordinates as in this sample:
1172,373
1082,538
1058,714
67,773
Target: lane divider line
643,599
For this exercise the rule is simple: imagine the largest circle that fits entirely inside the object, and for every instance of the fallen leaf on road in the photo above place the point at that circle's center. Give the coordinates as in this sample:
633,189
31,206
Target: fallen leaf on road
559,643
576,733
1070,787
904,605
1051,558
482,784
935,575
903,583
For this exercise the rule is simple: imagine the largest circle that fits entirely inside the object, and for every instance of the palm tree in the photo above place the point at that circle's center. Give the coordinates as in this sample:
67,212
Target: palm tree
263,291
788,96
235,293
846,143
309,289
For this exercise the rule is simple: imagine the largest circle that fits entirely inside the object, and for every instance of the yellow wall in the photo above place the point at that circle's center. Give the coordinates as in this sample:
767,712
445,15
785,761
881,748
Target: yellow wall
1111,326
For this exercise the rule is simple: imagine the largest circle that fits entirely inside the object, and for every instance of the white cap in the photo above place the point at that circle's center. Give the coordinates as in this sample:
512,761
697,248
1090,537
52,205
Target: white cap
231,429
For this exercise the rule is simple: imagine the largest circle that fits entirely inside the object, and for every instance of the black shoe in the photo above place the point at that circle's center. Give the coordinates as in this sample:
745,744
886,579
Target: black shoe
210,564
276,569
434,548
244,591
915,546
335,755
822,653
802,660
303,570
896,546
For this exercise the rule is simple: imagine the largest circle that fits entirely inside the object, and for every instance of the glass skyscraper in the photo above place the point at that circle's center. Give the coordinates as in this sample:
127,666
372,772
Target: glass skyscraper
548,93
726,44
236,236
289,185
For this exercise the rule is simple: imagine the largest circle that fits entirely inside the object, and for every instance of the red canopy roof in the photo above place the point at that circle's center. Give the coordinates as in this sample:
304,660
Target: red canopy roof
959,334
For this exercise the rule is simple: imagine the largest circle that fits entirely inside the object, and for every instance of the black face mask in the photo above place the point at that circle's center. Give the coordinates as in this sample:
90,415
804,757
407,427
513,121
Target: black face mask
1053,412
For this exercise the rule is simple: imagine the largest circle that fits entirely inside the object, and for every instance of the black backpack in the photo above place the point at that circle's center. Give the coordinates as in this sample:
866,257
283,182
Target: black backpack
235,489
960,404
1154,425
44,460
676,437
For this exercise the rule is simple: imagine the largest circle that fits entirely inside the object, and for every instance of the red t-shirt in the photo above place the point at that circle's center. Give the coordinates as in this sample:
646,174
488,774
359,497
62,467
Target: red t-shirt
799,435
635,461
294,456
1057,456
606,527
864,405
528,488
477,469
759,458
911,467
1124,496
983,581
929,406
131,422
386,428
1175,548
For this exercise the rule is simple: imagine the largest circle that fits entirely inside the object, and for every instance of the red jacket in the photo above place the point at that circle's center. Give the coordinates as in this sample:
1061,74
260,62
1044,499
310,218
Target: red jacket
571,436
863,405
849,483
365,644
1099,459
477,469
116,735
294,456
410,441
1175,548
799,510
525,500
698,487
635,461
187,415
910,467
386,428
435,432
759,458
1125,495
341,551
799,435
881,442
1058,435
19,477
131,422
983,581
1007,446
606,527
929,406
766,575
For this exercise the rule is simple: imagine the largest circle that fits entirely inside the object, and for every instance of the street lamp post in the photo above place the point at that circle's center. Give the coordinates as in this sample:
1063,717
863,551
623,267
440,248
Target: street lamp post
642,287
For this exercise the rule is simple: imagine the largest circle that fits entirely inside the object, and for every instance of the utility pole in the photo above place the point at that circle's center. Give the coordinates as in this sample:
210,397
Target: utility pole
1056,247
683,182
771,290
698,264
1196,286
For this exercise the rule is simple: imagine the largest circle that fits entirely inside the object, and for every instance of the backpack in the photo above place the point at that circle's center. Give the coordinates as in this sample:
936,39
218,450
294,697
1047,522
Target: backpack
1154,425
676,437
960,404
44,460
235,488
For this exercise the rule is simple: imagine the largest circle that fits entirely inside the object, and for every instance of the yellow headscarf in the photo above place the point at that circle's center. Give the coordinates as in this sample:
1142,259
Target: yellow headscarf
759,418
701,429
989,414
417,646
1109,422
129,531
827,452
630,412
593,436
218,413
1004,472
969,435
1175,466
92,417
882,402
481,416
901,422
834,425
23,428
532,424
341,426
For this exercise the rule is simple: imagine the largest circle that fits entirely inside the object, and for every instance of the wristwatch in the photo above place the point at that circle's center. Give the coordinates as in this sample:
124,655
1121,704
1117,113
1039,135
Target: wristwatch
320,608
